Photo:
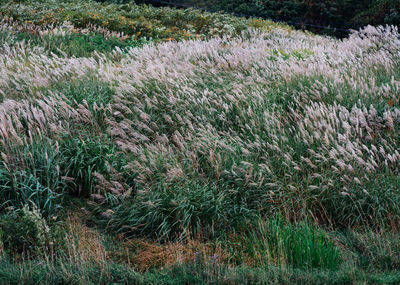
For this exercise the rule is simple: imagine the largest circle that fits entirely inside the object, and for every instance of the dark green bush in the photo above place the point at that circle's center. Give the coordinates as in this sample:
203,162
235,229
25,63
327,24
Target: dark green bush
25,231
379,12
333,13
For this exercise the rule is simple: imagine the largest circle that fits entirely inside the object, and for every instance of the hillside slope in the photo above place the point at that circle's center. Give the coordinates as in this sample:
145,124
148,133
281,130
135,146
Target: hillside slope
260,154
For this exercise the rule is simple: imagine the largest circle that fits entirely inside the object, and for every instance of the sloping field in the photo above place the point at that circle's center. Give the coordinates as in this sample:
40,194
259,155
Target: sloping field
258,147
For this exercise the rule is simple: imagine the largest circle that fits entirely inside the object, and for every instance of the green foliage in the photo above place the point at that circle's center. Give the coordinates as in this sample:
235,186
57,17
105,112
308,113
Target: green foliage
83,157
374,251
91,92
136,21
66,271
31,176
287,9
283,244
379,12
197,140
78,45
180,211
335,13
88,90
28,189
375,205
298,54
25,231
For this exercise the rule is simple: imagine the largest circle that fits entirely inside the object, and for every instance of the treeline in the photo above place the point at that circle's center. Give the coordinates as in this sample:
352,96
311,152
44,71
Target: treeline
333,13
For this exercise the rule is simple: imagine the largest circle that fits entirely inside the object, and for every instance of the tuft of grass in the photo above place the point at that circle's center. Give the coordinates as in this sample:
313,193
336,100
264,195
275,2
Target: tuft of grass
30,175
84,157
90,92
284,244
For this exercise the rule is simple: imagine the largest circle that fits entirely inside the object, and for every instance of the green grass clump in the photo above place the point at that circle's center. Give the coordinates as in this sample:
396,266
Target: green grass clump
179,212
374,251
284,244
92,93
89,90
83,157
31,176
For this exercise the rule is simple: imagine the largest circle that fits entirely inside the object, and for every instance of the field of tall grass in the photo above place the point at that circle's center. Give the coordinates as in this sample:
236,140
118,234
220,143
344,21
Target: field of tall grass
144,145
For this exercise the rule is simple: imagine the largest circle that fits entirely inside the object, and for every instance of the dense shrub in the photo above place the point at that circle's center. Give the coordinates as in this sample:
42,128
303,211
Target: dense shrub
379,12
334,13
26,232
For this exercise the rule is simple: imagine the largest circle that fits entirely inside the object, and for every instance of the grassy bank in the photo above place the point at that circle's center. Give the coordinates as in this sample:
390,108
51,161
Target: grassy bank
261,154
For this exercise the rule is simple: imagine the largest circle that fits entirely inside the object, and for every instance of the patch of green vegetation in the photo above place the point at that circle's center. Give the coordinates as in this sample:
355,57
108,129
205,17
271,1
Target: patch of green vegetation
297,54
194,162
77,45
90,92
375,251
25,233
68,272
277,242
85,156
134,20
173,211
87,89
32,177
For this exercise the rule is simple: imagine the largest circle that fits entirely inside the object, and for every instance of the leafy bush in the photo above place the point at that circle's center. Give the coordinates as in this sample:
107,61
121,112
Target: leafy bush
334,13
25,231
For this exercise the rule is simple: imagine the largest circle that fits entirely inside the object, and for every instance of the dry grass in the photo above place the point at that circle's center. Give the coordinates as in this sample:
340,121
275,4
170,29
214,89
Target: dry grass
145,254
87,245
84,244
